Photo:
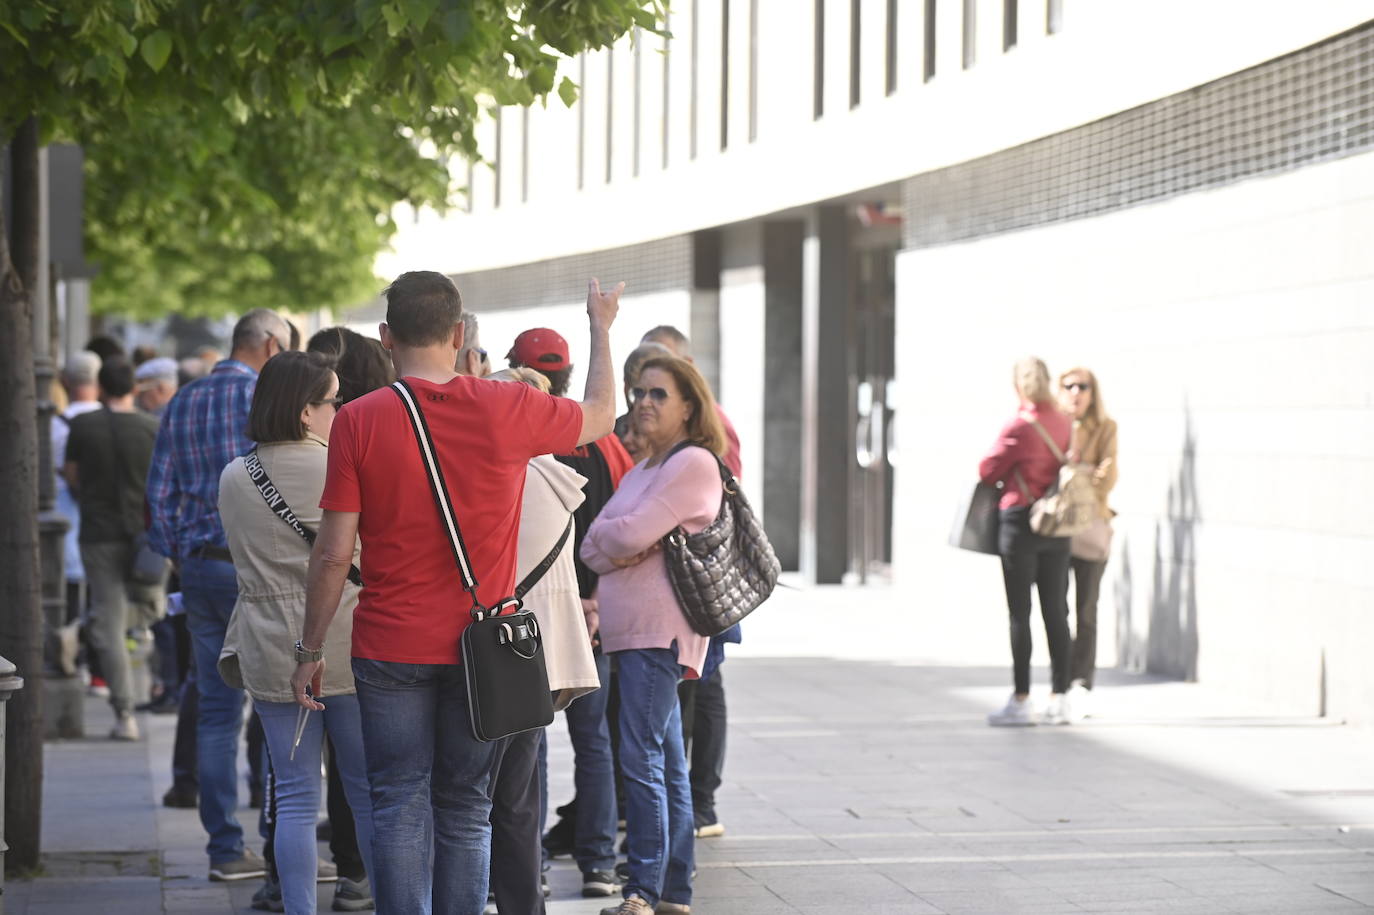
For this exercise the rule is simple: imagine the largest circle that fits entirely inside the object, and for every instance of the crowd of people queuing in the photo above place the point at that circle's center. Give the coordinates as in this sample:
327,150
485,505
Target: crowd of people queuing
307,569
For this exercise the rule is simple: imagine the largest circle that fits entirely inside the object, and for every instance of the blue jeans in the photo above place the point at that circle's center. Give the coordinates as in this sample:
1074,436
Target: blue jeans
431,788
658,796
593,775
209,590
297,785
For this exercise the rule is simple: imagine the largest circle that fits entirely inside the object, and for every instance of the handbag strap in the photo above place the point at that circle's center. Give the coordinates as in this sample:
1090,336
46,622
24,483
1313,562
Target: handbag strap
727,478
447,517
536,573
277,503
1049,440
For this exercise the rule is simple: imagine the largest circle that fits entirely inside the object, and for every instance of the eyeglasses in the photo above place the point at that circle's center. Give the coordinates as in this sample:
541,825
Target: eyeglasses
336,402
1078,386
481,354
657,395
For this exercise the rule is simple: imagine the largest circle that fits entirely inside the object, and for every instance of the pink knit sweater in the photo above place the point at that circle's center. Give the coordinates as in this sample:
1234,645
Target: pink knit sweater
637,605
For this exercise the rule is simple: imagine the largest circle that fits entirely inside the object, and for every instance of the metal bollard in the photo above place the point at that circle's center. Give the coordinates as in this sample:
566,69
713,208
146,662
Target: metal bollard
10,683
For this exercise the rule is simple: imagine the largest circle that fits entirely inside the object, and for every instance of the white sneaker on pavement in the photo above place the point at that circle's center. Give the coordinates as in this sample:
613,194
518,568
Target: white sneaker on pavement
1016,713
1059,711
1080,701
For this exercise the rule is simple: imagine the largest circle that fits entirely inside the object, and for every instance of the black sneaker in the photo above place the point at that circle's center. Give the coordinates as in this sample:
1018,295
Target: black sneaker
559,839
267,898
597,884
622,872
353,896
182,796
249,864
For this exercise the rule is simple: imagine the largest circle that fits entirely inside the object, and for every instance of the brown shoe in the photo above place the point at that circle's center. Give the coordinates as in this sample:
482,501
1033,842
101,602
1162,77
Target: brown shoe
634,905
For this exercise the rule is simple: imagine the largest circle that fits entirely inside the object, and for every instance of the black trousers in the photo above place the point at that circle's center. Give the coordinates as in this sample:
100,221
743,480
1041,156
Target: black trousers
703,734
1087,583
516,855
1030,560
343,835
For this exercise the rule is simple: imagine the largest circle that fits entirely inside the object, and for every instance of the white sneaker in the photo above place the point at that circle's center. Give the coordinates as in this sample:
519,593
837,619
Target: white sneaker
1016,713
126,728
1080,701
1059,711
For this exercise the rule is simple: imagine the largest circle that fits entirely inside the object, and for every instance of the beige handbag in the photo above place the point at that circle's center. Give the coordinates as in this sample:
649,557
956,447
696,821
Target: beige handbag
1093,544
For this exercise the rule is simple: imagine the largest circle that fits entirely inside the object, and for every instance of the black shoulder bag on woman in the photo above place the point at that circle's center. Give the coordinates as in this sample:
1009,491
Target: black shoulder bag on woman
721,573
503,653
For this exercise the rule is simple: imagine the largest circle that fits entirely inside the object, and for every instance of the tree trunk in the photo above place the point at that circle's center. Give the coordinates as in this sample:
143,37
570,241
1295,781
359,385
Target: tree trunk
21,619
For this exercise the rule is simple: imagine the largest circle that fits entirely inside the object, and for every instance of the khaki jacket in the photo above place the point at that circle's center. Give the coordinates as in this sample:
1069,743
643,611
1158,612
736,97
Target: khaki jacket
1096,445
270,559
552,492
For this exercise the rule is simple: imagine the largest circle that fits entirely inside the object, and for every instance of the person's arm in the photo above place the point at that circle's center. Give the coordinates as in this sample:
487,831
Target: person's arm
592,556
598,401
694,482
1104,478
324,584
160,493
1003,455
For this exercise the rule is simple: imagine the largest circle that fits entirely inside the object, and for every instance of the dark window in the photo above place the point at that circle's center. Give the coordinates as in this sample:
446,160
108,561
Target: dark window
855,51
970,33
890,81
818,79
724,73
928,68
1008,24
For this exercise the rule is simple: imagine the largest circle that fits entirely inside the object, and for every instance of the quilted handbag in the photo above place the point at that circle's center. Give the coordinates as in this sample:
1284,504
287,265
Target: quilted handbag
723,572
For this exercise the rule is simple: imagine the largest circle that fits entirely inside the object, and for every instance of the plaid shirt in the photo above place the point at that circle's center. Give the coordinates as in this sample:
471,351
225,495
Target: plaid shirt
203,429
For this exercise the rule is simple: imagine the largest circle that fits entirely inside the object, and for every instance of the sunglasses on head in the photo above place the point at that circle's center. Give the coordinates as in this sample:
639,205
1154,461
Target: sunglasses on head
1078,386
657,395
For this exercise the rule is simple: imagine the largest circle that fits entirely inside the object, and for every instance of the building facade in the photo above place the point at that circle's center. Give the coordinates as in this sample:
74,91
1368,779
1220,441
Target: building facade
863,212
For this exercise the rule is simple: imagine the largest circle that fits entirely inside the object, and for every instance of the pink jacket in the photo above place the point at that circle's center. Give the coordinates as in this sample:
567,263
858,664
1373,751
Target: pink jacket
1020,447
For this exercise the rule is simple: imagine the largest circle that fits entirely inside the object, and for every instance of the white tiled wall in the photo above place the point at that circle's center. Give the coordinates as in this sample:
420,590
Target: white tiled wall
1240,318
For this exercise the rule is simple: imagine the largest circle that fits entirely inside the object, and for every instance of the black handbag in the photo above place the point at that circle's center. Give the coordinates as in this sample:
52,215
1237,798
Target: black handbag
723,572
502,652
977,519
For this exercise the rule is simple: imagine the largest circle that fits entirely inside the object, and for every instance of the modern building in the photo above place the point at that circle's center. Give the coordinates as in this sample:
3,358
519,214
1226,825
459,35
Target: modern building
863,212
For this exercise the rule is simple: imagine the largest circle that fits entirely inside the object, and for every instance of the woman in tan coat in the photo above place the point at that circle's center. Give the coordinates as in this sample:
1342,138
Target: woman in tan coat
1094,442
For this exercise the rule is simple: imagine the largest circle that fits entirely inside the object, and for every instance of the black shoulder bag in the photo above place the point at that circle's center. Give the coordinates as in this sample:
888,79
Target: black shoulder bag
277,502
723,572
503,654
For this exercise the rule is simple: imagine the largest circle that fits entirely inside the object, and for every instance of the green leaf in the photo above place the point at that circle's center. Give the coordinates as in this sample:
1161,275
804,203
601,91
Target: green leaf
18,36
127,42
156,48
395,19
334,42
567,91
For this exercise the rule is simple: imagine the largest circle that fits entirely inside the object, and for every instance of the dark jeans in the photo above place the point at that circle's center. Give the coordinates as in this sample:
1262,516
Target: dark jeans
1029,559
703,733
184,746
516,855
343,835
593,775
1087,582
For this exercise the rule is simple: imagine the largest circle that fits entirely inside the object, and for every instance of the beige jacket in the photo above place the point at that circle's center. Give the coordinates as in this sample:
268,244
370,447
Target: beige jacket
270,559
552,492
1096,445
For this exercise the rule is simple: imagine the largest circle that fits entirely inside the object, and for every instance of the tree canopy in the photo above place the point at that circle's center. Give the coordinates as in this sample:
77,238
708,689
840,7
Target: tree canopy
250,151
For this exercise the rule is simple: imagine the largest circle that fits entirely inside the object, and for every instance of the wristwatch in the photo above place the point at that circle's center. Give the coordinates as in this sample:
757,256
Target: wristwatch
304,654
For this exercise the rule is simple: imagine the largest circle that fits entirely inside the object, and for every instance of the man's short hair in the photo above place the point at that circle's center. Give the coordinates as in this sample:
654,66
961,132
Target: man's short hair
105,346
255,327
81,368
670,337
421,308
116,377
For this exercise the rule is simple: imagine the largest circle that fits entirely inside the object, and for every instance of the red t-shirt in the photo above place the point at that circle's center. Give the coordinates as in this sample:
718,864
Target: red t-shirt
413,607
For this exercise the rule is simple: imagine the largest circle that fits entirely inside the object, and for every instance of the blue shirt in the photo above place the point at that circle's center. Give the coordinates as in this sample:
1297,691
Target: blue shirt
204,428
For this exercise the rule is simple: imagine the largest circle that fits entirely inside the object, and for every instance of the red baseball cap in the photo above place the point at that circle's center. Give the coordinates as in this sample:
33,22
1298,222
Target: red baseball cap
540,348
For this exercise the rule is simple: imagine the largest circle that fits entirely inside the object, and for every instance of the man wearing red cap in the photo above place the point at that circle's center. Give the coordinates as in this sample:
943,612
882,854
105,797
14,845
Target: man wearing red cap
547,352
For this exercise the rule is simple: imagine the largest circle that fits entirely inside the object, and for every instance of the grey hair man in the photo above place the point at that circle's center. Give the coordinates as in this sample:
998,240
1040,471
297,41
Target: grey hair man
79,381
472,359
156,384
203,429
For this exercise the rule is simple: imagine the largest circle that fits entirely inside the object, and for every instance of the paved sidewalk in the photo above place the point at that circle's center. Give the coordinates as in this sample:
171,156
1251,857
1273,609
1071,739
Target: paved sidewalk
875,786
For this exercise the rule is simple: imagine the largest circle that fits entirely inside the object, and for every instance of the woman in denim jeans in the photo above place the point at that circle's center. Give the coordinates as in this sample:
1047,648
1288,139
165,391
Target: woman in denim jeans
642,625
293,410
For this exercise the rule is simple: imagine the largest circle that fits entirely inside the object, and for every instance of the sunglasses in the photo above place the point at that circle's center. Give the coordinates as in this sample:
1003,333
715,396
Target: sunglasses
481,354
336,402
657,395
1078,386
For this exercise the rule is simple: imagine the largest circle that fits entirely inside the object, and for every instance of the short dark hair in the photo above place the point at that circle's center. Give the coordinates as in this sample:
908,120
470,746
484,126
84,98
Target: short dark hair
105,346
288,381
116,376
421,308
143,352
559,379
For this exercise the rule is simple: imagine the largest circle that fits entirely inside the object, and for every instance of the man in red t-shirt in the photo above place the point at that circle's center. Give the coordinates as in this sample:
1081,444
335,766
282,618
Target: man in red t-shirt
422,758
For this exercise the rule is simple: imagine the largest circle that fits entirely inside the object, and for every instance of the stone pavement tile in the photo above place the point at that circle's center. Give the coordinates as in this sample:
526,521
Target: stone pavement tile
75,895
207,898
995,902
925,878
903,908
1358,887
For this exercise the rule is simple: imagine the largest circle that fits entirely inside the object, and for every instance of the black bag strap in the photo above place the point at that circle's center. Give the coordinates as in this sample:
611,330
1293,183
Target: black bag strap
727,478
277,503
545,564
447,516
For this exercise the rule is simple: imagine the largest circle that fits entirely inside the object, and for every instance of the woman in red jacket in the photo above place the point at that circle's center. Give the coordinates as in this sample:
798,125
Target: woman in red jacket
1024,463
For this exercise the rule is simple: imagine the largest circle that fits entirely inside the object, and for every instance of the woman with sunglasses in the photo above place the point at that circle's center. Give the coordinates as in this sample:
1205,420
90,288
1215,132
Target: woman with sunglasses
642,625
293,410
1094,442
1024,462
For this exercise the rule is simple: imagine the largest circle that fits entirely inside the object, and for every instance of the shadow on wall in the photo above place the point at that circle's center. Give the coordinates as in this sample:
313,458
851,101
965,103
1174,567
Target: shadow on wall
1169,644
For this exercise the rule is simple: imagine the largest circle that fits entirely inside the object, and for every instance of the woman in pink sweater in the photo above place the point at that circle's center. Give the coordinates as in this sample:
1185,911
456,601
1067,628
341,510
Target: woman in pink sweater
642,625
